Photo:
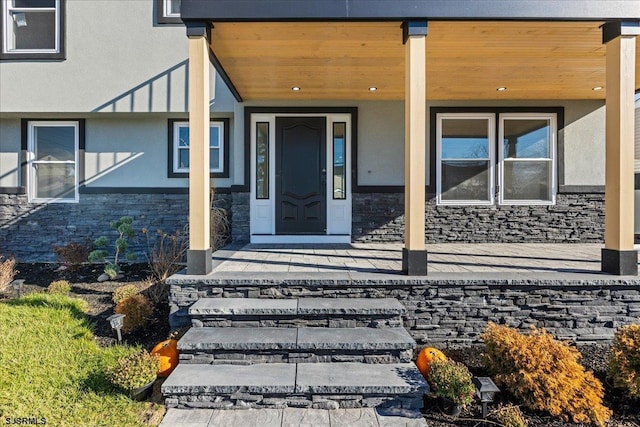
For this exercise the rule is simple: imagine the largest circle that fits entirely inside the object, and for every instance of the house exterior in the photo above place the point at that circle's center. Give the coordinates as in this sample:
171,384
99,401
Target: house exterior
328,121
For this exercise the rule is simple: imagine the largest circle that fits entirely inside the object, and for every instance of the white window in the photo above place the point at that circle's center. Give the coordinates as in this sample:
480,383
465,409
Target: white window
465,158
31,27
171,8
181,147
52,159
527,158
517,167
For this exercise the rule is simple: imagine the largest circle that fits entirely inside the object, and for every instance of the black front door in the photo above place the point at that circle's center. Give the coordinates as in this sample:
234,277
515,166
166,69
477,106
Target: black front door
301,175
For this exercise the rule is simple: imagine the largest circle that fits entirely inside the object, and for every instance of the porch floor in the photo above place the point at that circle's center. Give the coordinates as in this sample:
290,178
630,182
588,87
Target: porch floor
387,258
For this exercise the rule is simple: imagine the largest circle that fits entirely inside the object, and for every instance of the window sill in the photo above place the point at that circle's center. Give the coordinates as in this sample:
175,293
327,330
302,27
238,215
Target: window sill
21,56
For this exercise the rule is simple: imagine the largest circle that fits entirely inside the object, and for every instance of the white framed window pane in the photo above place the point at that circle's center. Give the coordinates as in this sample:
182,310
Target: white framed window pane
54,181
262,160
183,159
465,180
527,139
527,180
214,136
214,159
339,156
34,30
54,143
183,136
174,7
34,3
465,139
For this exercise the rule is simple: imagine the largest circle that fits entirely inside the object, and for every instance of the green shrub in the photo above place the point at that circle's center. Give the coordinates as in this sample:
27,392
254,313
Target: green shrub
124,292
624,362
510,416
61,287
452,380
125,231
137,310
544,374
134,370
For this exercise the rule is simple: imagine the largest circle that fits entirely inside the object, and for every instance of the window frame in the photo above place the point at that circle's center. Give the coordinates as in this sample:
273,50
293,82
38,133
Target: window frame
163,16
174,171
492,163
5,26
28,146
553,182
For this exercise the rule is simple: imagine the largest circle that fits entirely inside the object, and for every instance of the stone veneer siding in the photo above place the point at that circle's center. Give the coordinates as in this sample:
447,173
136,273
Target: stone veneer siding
453,310
575,218
30,230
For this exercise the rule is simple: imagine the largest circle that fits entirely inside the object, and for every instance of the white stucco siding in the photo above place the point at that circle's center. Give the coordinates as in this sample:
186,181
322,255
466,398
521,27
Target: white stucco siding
584,143
381,143
132,152
120,151
9,153
117,60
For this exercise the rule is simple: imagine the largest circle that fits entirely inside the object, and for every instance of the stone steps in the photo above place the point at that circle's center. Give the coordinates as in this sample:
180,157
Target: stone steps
299,312
308,385
295,345
318,353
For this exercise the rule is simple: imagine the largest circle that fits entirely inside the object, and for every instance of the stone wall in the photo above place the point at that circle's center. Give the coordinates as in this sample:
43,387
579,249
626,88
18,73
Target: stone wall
575,218
455,311
30,230
241,217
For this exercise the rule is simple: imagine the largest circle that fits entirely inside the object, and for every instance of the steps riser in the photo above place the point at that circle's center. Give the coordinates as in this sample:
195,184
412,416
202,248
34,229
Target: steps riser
245,400
284,356
296,322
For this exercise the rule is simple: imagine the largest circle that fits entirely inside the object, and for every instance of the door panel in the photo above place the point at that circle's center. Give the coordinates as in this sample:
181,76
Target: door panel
301,206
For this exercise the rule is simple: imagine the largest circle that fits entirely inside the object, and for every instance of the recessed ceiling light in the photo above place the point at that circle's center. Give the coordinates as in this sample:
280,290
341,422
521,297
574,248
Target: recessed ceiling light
295,89
373,89
501,89
597,88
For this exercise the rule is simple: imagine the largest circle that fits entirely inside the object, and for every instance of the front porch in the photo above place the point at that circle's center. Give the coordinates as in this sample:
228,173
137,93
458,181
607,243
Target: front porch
556,286
381,260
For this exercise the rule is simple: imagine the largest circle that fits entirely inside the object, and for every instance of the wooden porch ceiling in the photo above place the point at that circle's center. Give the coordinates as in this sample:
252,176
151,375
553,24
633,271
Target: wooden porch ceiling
466,60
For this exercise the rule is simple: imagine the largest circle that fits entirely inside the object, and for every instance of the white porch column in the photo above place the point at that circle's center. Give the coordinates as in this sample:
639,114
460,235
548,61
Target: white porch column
414,254
199,253
618,255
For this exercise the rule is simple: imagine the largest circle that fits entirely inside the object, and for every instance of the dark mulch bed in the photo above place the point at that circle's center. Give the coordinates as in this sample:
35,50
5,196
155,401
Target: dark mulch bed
98,296
84,285
594,357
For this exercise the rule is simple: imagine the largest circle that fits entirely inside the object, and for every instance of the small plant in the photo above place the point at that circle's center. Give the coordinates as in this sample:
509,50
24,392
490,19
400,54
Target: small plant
124,292
125,232
220,226
624,362
166,252
136,309
154,290
544,374
134,371
7,272
452,380
61,287
510,416
74,253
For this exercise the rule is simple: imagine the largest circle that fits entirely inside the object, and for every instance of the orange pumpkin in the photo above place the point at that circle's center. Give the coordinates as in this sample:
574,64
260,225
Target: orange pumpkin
426,357
167,352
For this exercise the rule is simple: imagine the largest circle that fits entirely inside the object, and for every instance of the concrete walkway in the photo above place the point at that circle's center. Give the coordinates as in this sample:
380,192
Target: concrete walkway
292,417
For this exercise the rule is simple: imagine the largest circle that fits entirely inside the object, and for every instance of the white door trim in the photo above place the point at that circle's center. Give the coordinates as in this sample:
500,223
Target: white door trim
262,211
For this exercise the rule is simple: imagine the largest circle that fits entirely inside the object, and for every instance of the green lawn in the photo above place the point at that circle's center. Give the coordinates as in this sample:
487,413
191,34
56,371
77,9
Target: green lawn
51,367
